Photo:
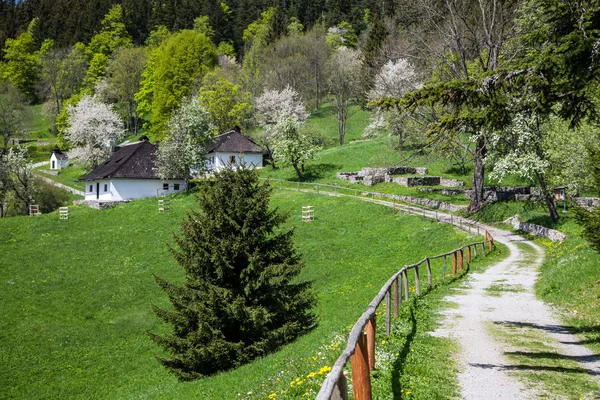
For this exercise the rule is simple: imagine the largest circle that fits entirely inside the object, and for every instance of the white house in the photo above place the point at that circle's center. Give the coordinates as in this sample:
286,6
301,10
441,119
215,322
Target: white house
58,159
129,174
233,149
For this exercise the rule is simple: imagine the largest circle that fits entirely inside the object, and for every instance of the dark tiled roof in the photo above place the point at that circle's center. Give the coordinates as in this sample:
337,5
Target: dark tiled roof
134,161
234,142
59,154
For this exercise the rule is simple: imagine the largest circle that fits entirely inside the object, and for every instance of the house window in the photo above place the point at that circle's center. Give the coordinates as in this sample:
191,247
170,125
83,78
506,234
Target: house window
91,188
231,160
176,186
165,186
105,187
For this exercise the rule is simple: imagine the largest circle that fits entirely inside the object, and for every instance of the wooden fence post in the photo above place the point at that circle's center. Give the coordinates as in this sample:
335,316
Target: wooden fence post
397,298
469,253
361,379
454,263
491,242
444,277
388,312
483,249
371,335
461,260
429,280
417,281
405,283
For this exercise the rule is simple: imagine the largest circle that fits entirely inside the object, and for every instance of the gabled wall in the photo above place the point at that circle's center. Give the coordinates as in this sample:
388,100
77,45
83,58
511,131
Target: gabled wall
126,189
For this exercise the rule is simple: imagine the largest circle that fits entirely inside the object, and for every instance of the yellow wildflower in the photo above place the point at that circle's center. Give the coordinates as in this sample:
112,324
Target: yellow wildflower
311,375
324,370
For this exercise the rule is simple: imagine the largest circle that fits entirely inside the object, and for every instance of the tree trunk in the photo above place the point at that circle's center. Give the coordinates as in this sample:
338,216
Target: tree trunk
548,198
297,170
478,176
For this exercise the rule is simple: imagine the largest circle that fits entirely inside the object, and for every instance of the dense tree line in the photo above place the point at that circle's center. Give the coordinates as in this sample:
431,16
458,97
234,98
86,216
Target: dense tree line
70,21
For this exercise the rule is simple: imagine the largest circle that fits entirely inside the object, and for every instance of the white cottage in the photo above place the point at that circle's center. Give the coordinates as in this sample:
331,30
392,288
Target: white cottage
233,149
58,159
129,174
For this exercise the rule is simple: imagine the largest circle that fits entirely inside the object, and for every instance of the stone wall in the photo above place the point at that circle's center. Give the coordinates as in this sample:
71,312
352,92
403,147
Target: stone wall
425,202
536,230
587,202
451,182
100,204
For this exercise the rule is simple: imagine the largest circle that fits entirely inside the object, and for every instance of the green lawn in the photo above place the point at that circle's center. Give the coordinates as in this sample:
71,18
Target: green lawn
67,176
76,295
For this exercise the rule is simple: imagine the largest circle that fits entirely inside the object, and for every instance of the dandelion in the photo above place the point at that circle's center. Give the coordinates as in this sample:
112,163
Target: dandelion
409,392
324,370
383,342
273,396
311,375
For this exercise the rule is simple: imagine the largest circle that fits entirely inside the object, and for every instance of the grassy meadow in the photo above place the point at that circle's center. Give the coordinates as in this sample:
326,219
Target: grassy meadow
76,295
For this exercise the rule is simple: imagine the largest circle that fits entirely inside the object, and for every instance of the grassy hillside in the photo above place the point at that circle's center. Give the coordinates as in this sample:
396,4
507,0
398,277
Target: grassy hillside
76,294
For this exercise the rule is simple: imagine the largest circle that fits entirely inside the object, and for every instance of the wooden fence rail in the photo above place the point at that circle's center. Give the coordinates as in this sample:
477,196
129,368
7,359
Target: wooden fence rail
362,337
360,348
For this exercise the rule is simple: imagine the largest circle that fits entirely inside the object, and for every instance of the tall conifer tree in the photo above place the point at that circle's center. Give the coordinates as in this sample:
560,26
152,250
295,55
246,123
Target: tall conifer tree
241,298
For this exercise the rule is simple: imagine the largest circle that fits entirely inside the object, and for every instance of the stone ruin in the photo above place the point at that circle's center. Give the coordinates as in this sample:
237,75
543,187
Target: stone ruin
372,176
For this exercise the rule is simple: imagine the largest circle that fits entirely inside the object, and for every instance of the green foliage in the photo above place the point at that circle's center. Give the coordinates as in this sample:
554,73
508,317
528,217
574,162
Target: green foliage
49,197
591,219
157,36
112,35
170,74
258,32
238,301
202,25
226,49
227,103
22,57
62,119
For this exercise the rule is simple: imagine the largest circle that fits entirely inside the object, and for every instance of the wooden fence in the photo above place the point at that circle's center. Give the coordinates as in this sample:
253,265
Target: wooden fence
360,348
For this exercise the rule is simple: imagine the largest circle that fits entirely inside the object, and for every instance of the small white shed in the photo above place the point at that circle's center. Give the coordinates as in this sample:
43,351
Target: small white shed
129,174
58,159
233,149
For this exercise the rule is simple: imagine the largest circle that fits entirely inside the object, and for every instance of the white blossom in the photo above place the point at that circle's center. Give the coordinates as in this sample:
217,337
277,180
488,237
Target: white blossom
274,103
290,144
184,147
395,79
94,129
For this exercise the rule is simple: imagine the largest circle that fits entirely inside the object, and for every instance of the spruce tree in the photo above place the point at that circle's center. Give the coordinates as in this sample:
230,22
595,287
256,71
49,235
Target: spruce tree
241,297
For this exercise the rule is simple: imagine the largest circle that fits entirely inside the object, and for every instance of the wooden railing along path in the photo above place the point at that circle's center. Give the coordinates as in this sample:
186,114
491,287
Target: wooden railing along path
360,348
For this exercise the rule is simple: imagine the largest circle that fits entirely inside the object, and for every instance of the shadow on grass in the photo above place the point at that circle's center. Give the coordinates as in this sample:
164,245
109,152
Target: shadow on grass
554,356
314,172
562,329
525,367
409,315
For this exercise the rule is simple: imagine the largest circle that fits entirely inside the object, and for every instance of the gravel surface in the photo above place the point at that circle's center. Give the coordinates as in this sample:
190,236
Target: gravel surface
486,373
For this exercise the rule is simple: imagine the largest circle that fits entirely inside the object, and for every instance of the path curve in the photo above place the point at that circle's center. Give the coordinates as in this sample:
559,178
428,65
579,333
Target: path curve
60,185
486,371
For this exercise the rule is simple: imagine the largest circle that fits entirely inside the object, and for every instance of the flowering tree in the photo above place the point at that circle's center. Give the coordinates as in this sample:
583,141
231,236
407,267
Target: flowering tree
16,178
271,106
274,103
184,147
519,149
344,76
94,131
290,144
395,79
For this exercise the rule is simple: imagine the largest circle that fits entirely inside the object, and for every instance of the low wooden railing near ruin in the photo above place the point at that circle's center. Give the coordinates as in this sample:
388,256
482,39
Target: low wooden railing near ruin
360,349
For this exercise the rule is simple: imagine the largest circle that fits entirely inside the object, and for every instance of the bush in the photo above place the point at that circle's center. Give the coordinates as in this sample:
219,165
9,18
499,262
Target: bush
49,197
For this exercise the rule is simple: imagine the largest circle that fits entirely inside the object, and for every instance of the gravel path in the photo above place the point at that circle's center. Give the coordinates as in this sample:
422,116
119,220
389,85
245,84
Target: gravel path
496,313
486,371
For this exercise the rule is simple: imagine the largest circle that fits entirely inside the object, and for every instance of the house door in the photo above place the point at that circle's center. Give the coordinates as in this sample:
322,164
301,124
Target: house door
97,190
53,164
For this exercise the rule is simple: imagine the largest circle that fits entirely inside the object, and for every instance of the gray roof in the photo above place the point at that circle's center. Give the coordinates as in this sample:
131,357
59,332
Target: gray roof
233,142
134,161
59,154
